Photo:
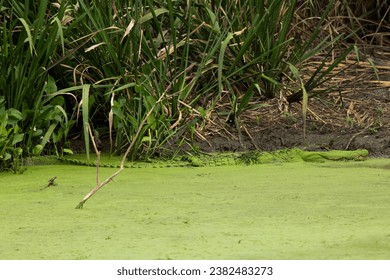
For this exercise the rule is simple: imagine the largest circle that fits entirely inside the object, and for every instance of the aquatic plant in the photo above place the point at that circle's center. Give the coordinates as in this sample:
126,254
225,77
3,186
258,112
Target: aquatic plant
69,63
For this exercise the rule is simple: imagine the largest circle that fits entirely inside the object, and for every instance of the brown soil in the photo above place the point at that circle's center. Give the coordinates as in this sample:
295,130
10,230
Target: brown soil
354,116
361,119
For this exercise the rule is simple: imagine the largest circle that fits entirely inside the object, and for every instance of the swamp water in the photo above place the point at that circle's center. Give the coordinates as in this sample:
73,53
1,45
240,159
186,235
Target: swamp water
332,210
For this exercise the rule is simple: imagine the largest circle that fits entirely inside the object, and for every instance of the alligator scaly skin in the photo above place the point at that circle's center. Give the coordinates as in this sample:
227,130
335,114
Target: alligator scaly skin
246,158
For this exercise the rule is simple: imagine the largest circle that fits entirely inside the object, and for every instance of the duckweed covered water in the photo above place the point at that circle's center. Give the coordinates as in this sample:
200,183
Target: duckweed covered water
332,210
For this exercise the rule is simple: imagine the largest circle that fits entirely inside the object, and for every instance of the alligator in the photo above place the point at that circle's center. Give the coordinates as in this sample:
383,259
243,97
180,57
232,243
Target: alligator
217,159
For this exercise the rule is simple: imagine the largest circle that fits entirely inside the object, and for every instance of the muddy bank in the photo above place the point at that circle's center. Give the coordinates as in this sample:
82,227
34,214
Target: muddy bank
271,139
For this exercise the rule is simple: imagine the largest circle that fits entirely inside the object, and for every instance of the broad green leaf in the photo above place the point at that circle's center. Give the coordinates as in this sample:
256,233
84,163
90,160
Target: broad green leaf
146,139
14,115
50,86
117,110
37,150
17,138
7,156
152,122
18,151
67,151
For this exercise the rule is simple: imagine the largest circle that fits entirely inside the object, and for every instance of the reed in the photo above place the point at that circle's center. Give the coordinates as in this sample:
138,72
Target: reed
108,62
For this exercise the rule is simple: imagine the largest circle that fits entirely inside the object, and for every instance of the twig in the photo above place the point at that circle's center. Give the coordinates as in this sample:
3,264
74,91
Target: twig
353,137
105,182
250,137
96,151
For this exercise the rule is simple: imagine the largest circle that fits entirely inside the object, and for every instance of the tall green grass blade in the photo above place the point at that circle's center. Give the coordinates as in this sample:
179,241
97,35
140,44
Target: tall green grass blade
155,13
29,36
246,99
48,134
221,56
305,97
319,77
85,116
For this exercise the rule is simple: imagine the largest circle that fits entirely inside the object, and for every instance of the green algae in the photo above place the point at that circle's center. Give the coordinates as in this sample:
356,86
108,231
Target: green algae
331,210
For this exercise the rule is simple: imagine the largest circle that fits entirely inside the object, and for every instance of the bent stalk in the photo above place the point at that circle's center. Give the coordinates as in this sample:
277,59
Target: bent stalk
110,178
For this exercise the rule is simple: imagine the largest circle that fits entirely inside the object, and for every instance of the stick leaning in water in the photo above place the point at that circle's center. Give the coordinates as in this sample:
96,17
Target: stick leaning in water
109,179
